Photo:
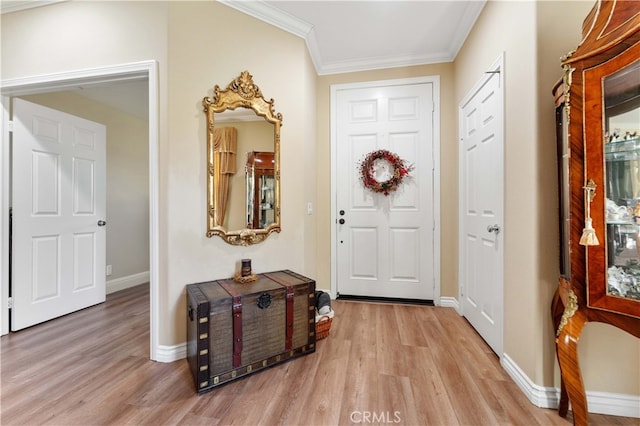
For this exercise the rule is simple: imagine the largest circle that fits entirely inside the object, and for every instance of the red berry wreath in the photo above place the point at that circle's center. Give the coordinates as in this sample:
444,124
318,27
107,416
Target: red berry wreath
368,169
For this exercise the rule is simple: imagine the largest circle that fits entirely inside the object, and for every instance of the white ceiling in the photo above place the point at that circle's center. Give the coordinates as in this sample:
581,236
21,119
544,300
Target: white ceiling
346,36
342,36
131,97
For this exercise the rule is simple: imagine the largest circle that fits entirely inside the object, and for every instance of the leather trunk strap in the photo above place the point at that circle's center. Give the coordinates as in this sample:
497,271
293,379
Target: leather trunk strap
289,310
237,324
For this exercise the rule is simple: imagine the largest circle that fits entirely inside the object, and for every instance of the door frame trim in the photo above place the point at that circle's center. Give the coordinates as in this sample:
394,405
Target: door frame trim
435,81
60,81
496,67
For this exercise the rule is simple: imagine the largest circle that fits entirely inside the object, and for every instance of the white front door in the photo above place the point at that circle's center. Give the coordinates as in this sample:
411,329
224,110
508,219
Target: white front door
59,207
481,204
385,247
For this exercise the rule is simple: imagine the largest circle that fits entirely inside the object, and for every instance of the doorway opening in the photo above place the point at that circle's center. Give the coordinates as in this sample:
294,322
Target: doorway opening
481,211
386,245
140,71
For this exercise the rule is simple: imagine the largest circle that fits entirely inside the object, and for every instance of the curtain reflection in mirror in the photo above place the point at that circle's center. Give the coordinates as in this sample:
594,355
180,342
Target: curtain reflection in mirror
226,145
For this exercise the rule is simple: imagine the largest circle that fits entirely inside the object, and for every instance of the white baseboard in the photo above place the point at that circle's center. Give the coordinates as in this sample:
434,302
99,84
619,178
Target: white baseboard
613,404
127,282
171,353
450,302
540,396
163,353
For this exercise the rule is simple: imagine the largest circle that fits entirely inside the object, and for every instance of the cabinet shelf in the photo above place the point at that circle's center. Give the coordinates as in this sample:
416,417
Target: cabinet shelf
620,222
624,150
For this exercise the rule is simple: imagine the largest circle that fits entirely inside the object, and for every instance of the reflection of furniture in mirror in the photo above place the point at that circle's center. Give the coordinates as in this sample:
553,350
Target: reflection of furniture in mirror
598,114
240,106
254,134
260,189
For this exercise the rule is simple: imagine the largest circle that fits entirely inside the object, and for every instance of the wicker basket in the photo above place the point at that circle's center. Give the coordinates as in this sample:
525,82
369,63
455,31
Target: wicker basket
323,326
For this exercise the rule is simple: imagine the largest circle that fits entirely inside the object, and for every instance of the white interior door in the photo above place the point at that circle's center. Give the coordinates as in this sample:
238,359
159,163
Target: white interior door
385,247
481,204
59,207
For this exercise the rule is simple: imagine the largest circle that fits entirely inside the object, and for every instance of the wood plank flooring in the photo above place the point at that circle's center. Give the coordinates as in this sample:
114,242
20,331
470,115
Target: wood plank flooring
383,363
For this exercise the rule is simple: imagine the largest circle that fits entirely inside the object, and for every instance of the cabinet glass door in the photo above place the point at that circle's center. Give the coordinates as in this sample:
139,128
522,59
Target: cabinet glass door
261,190
622,181
266,213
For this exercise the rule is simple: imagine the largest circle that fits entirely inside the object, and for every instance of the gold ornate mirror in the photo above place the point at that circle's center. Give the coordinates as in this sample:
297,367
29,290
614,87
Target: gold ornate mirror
243,163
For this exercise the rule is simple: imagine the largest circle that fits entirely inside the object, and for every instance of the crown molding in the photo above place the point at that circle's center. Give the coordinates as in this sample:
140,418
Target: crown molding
15,6
283,20
367,64
314,50
263,11
467,21
280,19
271,15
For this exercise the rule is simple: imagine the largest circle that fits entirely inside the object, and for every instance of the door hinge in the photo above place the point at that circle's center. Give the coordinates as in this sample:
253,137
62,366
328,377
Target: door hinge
10,303
10,126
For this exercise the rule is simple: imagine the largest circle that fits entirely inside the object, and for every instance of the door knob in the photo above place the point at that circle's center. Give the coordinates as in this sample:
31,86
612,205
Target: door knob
101,223
341,221
493,228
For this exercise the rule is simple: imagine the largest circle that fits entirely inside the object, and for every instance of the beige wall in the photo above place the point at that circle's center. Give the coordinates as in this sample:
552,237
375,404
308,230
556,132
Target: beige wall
72,36
558,31
448,167
78,35
515,36
209,44
533,37
199,44
127,179
599,343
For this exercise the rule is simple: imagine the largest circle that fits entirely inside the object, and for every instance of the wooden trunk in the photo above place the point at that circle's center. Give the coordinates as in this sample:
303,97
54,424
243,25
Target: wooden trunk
236,329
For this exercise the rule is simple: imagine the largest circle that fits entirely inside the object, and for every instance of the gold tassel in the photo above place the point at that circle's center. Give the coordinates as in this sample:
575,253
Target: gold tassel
589,237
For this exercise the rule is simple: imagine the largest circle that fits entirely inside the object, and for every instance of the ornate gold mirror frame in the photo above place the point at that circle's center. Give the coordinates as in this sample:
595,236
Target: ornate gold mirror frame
240,93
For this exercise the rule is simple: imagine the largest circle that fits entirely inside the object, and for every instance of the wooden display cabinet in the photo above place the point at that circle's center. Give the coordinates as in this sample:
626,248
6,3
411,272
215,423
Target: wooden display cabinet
598,117
260,189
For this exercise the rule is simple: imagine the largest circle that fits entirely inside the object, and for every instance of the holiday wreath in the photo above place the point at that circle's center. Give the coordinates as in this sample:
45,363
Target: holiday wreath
370,164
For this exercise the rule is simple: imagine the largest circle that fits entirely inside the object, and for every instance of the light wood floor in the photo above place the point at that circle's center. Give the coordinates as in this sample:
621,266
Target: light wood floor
383,363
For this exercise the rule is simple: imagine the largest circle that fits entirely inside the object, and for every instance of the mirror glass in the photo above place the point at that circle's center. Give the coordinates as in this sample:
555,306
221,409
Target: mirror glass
622,165
243,138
